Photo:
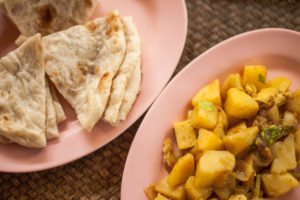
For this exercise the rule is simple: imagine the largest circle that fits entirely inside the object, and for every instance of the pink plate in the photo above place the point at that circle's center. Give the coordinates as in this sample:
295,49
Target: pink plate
278,49
162,26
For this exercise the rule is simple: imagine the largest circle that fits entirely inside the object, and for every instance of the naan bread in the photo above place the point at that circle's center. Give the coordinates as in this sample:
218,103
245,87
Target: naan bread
82,62
132,90
47,16
23,95
132,58
51,124
59,111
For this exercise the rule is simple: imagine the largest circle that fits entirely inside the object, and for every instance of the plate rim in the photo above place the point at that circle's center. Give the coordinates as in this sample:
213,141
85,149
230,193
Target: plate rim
177,76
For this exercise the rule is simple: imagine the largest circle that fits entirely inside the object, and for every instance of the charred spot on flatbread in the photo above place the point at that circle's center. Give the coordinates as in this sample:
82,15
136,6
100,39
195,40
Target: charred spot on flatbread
91,26
47,14
105,77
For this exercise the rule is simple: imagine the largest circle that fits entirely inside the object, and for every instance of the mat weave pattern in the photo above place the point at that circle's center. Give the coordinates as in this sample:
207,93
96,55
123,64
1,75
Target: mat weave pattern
98,175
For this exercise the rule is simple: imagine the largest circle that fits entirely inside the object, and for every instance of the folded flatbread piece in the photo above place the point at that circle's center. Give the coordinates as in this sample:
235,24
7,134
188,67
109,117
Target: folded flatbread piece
23,95
120,82
47,16
82,62
132,90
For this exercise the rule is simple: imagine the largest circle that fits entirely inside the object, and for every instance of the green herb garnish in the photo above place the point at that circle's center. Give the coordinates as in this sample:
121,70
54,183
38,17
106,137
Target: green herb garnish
208,106
272,134
261,78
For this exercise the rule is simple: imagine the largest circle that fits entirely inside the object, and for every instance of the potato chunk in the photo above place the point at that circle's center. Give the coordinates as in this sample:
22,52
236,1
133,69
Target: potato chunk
293,104
232,81
161,197
150,192
194,193
255,74
185,134
240,105
239,142
164,188
281,83
184,168
205,115
208,140
209,93
273,114
223,192
284,155
237,197
276,185
297,142
267,96
211,165
237,128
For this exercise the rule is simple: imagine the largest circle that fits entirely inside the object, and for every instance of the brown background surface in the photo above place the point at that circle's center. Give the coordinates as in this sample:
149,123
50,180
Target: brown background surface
98,175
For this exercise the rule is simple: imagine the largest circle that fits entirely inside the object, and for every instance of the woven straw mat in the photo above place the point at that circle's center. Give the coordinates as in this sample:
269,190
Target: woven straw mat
98,175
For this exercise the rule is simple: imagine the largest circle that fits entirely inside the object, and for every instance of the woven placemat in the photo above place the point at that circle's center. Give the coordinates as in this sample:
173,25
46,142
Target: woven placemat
98,175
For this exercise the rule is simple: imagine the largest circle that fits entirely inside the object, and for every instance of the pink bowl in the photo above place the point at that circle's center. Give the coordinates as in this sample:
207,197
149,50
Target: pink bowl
162,26
278,49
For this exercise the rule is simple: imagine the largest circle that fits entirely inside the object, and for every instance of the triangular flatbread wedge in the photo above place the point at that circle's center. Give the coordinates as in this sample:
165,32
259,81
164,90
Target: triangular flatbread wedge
82,62
132,58
47,16
51,114
23,95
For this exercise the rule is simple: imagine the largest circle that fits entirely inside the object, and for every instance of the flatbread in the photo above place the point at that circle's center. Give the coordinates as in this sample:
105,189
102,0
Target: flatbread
82,62
59,111
23,95
47,16
132,57
51,124
132,90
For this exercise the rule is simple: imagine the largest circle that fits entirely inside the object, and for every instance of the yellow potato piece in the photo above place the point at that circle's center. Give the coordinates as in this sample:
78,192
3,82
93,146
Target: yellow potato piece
255,74
194,193
237,128
164,188
267,95
284,155
211,165
293,104
232,81
161,197
281,83
273,114
185,134
219,130
297,142
239,142
276,185
208,140
182,170
240,105
209,93
205,115
150,192
237,197
223,192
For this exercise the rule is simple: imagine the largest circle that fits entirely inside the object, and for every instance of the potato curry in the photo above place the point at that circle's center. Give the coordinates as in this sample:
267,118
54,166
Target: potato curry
239,141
